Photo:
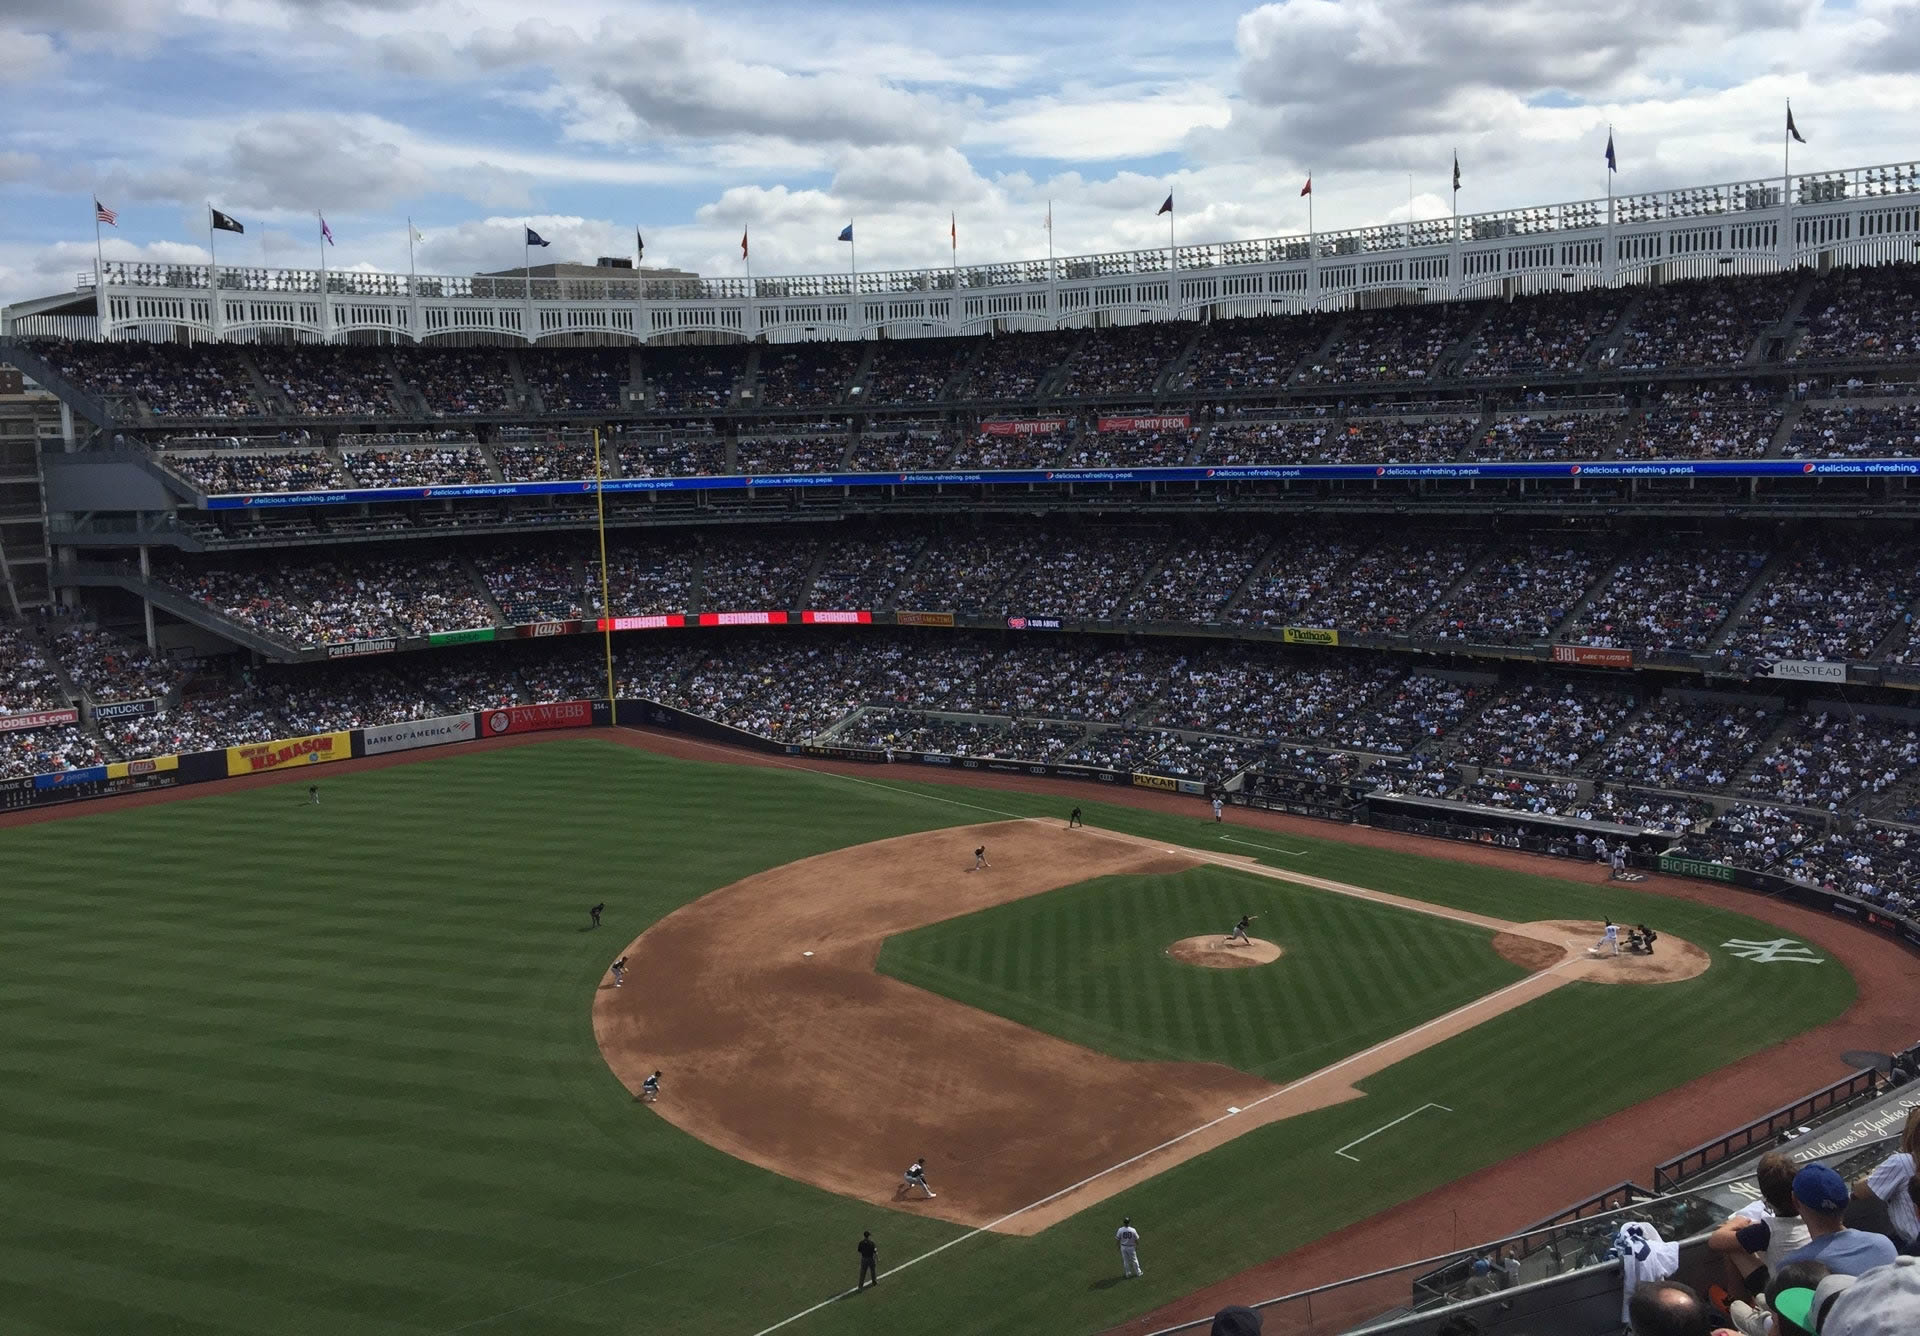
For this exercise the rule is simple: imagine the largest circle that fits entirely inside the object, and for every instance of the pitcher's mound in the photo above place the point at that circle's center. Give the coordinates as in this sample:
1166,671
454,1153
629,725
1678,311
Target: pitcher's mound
1555,940
1213,952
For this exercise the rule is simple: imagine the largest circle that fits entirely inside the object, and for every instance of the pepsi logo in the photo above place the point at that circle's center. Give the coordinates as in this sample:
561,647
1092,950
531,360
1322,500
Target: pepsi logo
1574,469
1806,468
1379,473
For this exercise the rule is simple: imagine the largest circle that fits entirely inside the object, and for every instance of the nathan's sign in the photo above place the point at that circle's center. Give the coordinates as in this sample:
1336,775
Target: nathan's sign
1166,422
1310,635
14,723
353,649
318,749
1026,427
1593,656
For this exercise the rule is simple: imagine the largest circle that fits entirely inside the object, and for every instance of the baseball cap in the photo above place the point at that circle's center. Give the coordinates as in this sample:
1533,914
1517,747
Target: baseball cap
1236,1321
1884,1302
1796,1306
1821,1188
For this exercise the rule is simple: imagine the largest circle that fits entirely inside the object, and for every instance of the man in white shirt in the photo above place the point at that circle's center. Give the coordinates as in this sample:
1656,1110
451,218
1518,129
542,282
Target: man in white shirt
1129,1240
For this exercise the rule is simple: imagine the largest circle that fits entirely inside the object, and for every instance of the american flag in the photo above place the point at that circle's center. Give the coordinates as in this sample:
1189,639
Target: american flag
105,215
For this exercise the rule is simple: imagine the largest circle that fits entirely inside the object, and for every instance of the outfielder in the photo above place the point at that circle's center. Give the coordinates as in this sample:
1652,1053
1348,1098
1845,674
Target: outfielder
916,1176
1239,933
1611,940
1129,1240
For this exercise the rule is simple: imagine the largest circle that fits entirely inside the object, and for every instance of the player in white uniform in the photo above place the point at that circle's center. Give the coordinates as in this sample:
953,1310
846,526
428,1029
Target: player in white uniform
1610,942
1129,1240
916,1176
619,972
1239,933
1216,807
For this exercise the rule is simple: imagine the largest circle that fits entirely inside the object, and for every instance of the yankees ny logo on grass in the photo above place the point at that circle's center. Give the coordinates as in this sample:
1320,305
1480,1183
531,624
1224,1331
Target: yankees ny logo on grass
1779,950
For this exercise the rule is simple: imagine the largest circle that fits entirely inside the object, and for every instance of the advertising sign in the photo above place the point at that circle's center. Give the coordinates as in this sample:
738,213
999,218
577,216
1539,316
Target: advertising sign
354,649
477,635
1029,427
923,619
14,723
1033,623
1165,422
1807,670
534,718
743,619
418,733
1593,655
1310,635
256,757
815,617
127,709
659,621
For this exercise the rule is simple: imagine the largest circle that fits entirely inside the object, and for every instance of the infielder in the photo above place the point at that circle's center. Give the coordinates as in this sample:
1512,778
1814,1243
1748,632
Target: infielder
650,1088
1239,933
1129,1240
980,859
620,972
1073,819
916,1176
1611,940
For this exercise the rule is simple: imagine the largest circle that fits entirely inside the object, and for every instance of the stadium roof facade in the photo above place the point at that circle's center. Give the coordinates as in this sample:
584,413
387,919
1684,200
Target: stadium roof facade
1863,215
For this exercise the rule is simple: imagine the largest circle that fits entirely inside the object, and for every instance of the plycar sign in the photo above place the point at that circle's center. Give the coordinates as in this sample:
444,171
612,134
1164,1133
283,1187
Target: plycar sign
418,733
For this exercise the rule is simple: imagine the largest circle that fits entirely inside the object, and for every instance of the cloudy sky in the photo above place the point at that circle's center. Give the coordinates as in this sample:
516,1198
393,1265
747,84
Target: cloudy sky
591,117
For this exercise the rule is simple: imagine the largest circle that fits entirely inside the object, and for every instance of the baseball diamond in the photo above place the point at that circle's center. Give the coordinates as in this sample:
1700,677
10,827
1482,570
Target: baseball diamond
434,1024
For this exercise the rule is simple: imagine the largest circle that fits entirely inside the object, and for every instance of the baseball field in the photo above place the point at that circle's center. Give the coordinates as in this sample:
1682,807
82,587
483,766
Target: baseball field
360,1066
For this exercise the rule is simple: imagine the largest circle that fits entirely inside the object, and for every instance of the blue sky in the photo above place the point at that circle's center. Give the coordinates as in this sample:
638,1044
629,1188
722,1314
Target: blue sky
589,117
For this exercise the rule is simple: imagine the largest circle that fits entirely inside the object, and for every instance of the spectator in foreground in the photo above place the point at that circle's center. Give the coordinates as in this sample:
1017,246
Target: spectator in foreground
1668,1308
1235,1320
1821,1194
1884,1302
1785,1311
1893,1182
1759,1237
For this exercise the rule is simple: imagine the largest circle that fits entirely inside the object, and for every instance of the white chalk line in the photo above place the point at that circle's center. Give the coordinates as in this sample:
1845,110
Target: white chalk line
1290,853
1342,1152
1291,1086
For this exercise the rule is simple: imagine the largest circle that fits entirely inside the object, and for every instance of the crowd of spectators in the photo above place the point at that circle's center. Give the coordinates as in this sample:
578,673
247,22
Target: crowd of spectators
409,462
1398,440
644,578
755,572
1877,863
1545,332
691,379
171,380
1145,448
229,472
1668,598
1124,361
1084,576
1256,353
912,371
44,750
820,453
1023,450
1397,343
459,382
1701,322
864,572
682,453
1592,435
806,374
1296,581
1686,742
1013,366
1543,727
1863,429
1288,441
1835,761
1683,426
1828,603
29,681
534,585
576,380
547,456
1869,312
328,380
106,667
1392,587
1518,597
891,450
1196,576
1749,836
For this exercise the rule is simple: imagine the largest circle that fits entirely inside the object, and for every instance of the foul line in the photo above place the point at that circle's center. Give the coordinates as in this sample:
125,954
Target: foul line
1290,853
1291,1086
1342,1152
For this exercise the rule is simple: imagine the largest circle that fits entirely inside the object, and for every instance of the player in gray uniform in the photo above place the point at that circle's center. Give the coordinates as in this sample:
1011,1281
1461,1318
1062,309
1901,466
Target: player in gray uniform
916,1176
650,1088
1129,1240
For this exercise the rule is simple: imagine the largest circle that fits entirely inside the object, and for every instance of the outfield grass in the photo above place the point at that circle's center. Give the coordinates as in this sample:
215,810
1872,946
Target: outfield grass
1088,963
266,1067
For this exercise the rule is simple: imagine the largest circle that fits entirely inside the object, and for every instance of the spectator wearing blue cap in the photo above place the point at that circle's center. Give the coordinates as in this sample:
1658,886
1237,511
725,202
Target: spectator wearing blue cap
1822,1197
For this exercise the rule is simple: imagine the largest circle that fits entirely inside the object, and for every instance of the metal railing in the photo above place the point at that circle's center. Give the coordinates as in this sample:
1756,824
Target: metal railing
1702,1158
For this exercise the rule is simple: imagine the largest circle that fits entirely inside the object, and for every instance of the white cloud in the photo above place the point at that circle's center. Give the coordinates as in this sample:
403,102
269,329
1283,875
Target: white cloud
1085,125
27,57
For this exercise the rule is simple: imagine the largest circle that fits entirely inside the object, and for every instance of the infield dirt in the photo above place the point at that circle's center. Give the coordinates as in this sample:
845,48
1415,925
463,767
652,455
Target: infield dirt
782,1046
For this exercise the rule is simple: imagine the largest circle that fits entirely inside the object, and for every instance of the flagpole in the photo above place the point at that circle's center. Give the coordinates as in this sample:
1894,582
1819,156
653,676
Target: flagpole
1606,258
526,272
213,279
853,257
1173,271
1053,293
1310,230
99,275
